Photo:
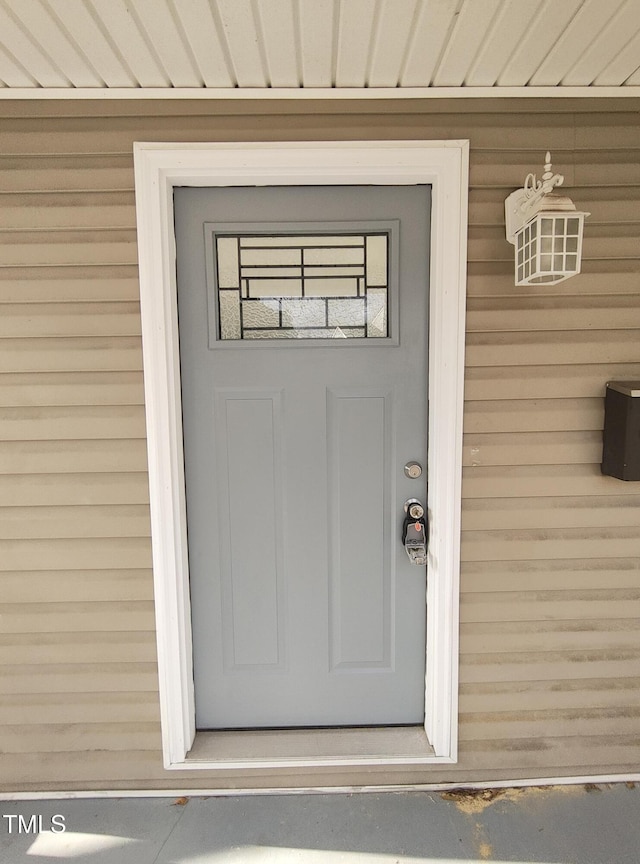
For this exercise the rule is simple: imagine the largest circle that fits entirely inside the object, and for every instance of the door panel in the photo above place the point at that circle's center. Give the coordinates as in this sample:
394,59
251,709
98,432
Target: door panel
359,574
248,429
305,608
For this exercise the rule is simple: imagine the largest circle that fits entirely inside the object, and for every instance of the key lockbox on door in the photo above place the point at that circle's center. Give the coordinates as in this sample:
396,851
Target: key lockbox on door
621,447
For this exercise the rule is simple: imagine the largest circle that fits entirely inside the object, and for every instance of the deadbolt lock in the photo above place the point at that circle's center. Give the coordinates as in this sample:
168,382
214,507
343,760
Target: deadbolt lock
413,470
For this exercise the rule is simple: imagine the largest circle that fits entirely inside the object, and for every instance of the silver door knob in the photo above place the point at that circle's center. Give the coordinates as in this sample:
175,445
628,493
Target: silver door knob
414,508
414,532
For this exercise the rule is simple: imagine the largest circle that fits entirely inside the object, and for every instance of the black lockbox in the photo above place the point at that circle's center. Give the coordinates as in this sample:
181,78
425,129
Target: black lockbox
621,446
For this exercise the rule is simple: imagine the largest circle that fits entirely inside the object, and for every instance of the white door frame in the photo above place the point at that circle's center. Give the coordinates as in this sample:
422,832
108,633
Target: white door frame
158,168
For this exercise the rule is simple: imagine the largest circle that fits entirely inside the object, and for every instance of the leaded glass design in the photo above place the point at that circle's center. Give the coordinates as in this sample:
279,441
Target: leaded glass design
293,286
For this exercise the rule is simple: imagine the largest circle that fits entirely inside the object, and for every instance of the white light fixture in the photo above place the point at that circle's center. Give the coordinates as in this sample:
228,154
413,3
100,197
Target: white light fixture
546,230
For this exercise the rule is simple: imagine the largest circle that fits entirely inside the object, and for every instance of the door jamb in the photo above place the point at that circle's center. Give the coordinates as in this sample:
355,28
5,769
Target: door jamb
158,168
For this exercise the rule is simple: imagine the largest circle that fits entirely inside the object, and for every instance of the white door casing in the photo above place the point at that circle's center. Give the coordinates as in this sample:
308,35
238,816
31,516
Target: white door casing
158,168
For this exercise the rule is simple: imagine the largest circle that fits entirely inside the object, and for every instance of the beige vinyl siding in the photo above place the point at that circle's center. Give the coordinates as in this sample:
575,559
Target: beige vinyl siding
550,603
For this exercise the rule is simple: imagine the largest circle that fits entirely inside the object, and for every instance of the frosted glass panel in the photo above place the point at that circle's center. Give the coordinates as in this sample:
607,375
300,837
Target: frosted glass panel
377,312
260,313
265,257
293,286
335,256
377,260
309,312
230,327
346,312
311,333
331,287
273,287
228,273
297,240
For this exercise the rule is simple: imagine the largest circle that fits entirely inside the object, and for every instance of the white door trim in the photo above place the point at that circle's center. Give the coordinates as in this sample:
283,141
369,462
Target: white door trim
158,168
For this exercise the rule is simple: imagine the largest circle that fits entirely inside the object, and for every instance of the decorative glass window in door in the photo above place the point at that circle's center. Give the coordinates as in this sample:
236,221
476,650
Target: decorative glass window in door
294,286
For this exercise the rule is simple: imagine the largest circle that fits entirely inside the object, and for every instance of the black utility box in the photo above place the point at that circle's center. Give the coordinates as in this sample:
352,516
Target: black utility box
621,450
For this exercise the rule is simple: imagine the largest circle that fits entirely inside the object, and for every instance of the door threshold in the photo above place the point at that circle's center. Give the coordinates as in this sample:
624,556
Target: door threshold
273,748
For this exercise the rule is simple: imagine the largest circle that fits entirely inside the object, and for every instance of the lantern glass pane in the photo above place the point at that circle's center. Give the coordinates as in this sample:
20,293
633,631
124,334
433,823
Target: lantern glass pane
550,246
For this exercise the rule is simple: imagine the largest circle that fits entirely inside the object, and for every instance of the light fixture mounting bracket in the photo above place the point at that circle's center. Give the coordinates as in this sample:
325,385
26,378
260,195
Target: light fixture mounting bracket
524,203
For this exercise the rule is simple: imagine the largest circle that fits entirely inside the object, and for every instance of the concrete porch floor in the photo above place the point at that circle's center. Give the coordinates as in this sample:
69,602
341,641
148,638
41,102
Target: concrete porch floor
555,825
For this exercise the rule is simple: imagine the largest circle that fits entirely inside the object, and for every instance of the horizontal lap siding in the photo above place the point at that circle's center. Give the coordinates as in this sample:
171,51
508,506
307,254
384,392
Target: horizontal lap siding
77,637
550,604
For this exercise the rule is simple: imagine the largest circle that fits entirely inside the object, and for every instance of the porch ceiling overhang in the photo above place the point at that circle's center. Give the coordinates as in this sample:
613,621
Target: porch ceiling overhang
318,48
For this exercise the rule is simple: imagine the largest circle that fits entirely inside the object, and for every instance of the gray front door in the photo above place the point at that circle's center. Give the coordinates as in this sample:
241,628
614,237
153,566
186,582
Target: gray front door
303,351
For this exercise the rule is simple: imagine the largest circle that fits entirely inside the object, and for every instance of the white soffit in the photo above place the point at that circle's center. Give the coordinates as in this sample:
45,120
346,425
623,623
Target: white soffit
318,48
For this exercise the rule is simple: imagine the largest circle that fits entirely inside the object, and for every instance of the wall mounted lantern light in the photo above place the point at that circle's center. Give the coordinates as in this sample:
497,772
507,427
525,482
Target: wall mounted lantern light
546,230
